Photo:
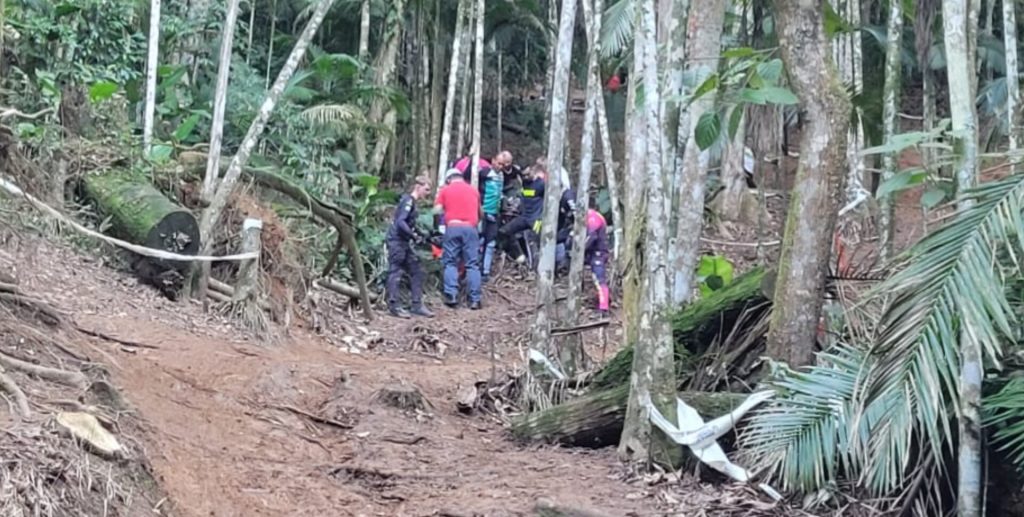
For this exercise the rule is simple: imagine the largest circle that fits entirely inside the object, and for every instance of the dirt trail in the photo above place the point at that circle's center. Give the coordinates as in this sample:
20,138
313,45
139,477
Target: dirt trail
225,439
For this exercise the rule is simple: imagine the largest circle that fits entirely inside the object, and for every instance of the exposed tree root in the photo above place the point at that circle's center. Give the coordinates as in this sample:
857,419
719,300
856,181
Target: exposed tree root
8,385
72,379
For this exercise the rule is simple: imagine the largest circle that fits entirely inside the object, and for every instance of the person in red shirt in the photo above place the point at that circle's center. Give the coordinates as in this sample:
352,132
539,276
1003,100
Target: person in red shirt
459,203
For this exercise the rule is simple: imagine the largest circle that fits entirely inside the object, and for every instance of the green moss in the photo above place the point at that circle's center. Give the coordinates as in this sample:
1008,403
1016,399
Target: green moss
694,327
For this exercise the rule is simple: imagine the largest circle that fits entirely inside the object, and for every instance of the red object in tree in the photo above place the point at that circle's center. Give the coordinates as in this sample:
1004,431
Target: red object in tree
614,83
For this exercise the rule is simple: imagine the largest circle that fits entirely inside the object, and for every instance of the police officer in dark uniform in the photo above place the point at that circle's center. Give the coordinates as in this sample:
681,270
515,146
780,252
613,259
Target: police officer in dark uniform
402,257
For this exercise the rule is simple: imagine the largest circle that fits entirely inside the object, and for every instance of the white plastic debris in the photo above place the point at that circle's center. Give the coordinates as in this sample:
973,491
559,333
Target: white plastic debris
701,438
538,357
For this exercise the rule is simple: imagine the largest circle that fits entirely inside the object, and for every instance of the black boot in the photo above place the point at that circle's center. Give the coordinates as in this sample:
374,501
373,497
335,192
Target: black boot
421,311
451,301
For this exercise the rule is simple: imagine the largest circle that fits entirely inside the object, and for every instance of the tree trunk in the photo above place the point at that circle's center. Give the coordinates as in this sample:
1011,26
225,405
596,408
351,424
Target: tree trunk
737,203
220,102
212,214
449,104
359,137
549,75
596,419
247,285
635,190
385,66
141,214
1012,75
674,35
704,48
593,91
810,225
478,92
364,31
270,41
890,122
653,372
847,56
958,36
924,23
614,190
152,59
464,115
501,104
553,187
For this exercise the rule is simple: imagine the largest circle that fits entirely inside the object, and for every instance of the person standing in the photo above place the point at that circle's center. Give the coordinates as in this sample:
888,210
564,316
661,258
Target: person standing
493,187
402,259
459,203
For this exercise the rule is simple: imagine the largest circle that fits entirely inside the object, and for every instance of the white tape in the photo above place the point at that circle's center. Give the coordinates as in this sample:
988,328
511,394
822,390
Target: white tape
141,250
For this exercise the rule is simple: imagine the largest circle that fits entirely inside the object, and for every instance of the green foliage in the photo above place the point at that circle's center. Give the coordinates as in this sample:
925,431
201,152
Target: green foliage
713,273
1004,413
877,410
708,129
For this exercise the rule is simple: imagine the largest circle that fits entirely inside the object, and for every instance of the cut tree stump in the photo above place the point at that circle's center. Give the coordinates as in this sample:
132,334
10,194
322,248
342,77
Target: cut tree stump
696,326
143,215
595,420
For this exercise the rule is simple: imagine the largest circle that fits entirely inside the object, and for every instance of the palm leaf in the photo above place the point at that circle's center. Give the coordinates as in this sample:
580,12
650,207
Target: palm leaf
340,116
950,293
617,28
799,439
1004,411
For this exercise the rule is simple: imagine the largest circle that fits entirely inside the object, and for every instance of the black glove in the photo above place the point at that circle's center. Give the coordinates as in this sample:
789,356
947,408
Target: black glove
418,239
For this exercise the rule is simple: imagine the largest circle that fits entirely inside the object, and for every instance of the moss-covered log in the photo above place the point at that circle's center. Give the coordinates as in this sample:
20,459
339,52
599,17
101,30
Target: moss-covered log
595,420
139,213
697,325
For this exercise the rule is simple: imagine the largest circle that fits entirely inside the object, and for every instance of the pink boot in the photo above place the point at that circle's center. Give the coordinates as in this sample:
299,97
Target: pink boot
602,298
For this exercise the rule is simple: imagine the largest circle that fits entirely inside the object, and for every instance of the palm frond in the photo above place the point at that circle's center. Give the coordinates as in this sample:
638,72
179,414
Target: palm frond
1004,411
799,439
340,116
617,28
949,294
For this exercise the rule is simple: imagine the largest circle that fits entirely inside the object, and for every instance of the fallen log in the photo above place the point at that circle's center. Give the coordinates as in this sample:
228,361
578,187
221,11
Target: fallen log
139,213
595,420
342,288
696,326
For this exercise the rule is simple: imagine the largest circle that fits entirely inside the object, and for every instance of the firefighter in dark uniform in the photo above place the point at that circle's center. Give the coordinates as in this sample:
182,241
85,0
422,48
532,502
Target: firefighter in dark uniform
402,235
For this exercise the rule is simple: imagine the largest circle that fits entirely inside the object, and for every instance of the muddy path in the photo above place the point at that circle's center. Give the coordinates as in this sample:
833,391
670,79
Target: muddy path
223,418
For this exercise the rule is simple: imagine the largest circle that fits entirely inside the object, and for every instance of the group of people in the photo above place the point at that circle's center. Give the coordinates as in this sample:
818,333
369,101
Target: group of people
506,208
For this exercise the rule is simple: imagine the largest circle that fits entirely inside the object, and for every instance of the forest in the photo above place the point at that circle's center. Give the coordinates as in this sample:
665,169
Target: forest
812,287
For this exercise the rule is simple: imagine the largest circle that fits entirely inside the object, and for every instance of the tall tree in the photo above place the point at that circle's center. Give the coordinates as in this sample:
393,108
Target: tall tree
890,120
151,66
579,231
381,112
806,245
553,188
959,34
220,101
359,138
704,45
478,90
1012,74
653,369
449,103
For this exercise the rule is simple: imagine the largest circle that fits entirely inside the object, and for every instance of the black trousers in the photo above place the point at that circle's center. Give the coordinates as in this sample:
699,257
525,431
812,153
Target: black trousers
402,259
508,234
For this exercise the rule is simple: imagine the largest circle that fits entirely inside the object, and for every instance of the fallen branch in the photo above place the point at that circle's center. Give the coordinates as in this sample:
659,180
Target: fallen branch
73,379
7,384
315,418
741,244
108,337
404,440
342,288
12,112
579,328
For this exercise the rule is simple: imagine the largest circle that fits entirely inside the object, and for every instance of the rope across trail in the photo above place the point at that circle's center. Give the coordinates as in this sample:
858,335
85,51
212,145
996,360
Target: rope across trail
16,191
